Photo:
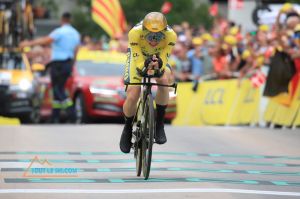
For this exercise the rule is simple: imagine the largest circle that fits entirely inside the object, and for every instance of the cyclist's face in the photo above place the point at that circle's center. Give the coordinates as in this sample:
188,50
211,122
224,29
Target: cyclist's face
154,38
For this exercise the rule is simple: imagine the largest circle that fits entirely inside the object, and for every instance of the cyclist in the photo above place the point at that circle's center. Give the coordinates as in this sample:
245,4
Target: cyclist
150,45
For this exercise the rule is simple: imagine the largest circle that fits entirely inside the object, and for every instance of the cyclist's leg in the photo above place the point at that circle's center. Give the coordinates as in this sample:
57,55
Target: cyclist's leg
130,105
133,92
162,98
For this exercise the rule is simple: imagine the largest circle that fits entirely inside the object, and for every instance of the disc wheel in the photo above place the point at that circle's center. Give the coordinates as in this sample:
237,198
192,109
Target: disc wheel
138,158
138,154
148,128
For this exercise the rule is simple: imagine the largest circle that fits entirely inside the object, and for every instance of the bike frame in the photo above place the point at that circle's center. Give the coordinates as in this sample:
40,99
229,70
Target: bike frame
147,89
148,84
143,137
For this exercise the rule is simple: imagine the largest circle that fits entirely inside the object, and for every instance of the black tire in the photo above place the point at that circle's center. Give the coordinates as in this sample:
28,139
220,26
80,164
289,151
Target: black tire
80,110
148,128
138,159
138,153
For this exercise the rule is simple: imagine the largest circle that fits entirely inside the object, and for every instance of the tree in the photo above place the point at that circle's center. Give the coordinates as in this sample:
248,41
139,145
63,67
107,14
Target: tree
135,10
202,16
293,1
183,10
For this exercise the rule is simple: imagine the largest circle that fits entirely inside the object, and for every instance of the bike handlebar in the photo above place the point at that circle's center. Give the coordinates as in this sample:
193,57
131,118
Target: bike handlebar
150,73
152,84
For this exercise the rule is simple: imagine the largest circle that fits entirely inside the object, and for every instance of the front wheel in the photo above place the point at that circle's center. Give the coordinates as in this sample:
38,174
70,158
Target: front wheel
148,128
138,152
139,158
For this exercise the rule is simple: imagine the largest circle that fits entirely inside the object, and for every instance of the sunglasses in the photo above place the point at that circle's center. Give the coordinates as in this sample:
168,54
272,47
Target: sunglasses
154,36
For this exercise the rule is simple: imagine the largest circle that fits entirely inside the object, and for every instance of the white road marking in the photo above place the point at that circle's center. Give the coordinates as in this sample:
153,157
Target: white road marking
14,164
137,191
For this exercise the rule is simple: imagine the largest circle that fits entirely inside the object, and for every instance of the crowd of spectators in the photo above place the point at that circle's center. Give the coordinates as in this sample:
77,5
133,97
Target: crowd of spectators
226,50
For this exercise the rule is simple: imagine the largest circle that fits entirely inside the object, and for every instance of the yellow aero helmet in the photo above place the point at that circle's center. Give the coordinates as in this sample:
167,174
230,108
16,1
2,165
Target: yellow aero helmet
155,22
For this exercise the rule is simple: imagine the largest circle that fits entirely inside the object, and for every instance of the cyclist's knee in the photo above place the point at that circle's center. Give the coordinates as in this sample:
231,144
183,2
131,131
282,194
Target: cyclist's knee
164,79
133,94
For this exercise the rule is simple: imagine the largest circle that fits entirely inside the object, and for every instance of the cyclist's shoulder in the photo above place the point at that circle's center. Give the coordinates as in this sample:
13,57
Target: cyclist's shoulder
138,28
170,34
136,32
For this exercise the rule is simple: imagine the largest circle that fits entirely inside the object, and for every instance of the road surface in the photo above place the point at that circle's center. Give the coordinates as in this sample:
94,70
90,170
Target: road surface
196,162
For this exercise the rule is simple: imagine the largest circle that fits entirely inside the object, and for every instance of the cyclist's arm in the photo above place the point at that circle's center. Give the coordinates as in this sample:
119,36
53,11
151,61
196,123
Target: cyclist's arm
165,54
138,58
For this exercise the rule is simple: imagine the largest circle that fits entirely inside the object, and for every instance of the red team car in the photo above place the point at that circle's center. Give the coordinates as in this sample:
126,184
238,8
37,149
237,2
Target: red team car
96,87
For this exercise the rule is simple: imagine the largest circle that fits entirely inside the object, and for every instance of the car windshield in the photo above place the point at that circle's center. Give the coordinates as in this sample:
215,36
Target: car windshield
11,61
92,68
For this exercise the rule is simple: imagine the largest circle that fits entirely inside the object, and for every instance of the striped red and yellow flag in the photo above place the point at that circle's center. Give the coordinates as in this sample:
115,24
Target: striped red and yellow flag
110,16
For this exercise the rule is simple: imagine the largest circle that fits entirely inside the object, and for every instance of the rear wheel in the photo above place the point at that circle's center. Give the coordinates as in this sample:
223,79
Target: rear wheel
148,128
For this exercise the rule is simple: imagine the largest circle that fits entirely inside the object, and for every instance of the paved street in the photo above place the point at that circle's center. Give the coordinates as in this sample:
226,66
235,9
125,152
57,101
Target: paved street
196,162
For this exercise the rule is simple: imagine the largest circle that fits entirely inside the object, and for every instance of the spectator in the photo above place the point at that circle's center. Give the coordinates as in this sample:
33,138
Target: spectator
231,52
183,65
282,64
65,40
220,63
85,40
196,58
208,51
296,56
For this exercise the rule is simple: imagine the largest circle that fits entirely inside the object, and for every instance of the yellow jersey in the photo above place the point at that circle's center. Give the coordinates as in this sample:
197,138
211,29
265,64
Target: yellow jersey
141,49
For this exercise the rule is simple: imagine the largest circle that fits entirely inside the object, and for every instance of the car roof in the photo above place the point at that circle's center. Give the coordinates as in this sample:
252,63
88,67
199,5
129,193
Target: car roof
101,56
